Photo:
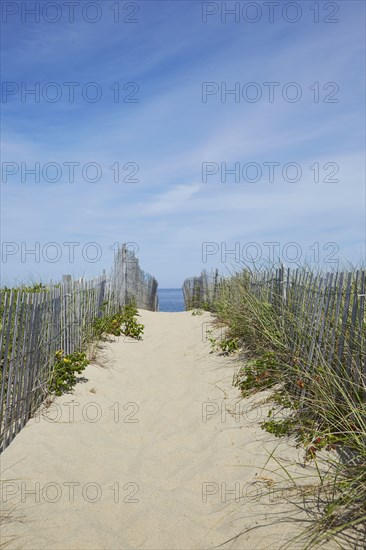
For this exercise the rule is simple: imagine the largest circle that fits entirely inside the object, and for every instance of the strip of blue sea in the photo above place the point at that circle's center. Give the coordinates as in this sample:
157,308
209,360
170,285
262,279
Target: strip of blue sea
171,299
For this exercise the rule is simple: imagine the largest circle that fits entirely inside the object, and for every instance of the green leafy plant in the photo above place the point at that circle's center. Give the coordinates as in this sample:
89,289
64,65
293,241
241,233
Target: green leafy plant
63,376
258,374
123,322
280,428
130,326
225,345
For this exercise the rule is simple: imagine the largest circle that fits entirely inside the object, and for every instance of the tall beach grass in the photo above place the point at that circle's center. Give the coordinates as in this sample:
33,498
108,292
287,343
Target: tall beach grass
306,338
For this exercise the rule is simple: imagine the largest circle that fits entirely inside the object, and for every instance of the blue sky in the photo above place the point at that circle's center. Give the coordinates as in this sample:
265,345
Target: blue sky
169,132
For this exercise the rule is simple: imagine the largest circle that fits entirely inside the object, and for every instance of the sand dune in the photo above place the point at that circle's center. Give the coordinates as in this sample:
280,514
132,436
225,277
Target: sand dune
154,451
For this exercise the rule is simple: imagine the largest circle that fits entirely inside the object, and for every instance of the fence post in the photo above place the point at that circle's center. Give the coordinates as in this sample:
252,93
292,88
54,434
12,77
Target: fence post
66,280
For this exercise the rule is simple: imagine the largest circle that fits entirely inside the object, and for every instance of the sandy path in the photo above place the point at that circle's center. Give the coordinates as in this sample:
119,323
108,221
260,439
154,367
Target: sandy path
140,471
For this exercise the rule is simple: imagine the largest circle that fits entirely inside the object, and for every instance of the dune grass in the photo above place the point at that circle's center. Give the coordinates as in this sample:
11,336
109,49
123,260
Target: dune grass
317,370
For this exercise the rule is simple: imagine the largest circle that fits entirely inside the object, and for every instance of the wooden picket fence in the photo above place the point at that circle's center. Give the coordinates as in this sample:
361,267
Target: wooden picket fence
34,325
323,314
201,292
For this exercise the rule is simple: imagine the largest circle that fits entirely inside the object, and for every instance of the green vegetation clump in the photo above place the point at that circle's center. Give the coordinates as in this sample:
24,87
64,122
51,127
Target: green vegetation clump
63,377
225,345
197,312
123,322
258,374
35,287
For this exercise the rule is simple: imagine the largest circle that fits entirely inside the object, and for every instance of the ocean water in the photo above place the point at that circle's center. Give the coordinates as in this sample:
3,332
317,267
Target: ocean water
171,299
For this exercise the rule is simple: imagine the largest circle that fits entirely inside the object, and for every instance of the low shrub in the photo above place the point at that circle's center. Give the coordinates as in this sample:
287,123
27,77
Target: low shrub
123,322
63,377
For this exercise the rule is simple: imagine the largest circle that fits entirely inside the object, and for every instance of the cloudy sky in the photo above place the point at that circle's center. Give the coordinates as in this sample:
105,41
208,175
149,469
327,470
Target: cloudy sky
184,130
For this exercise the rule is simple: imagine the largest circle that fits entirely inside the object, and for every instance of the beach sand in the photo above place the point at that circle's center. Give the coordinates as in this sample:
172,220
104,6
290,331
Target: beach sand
154,450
